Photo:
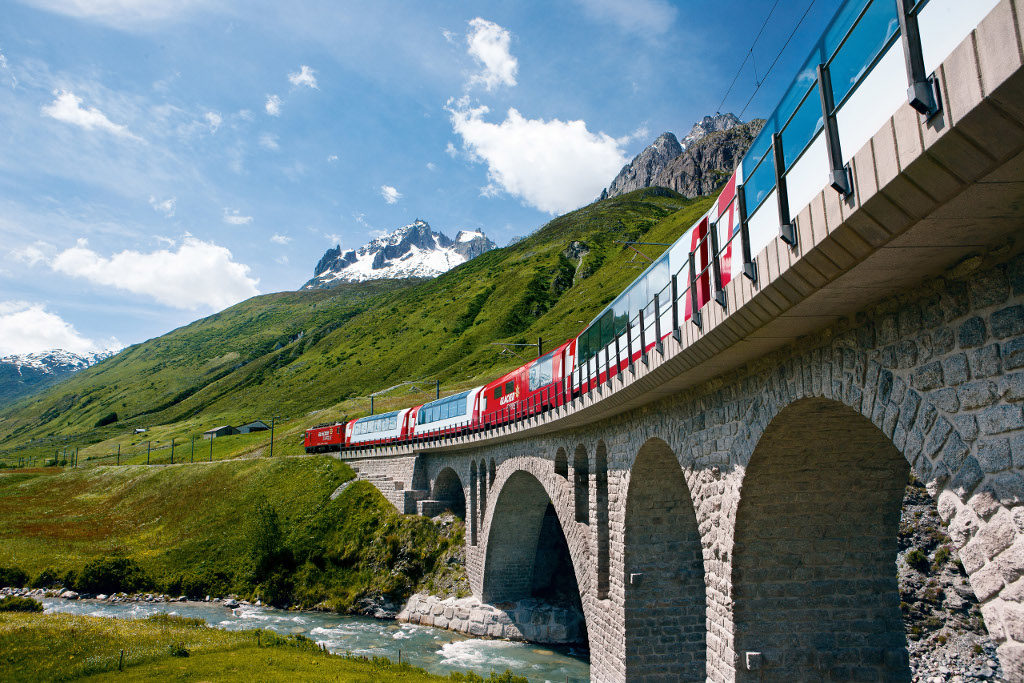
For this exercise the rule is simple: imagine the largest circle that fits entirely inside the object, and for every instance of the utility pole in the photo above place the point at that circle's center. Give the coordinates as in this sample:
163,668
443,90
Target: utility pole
211,447
437,388
118,454
192,455
148,444
371,404
172,450
272,420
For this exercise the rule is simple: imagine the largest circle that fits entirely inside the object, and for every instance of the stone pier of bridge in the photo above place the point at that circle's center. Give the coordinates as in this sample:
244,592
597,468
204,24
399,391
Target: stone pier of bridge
730,506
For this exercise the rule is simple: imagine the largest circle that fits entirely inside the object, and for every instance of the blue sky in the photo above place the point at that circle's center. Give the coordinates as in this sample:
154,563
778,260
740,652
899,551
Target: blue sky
163,159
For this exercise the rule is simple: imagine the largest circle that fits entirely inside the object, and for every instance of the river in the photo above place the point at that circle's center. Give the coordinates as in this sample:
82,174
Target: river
435,650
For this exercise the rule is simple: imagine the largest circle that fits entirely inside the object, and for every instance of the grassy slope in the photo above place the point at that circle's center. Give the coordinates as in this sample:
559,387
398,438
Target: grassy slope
226,369
191,528
36,647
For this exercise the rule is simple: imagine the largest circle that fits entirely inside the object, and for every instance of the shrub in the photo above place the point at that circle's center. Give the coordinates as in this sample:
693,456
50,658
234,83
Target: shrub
917,559
109,418
46,579
178,650
13,577
941,555
14,603
112,575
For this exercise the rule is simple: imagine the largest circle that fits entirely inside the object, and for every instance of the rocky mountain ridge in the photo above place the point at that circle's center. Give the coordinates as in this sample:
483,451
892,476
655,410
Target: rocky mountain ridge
694,166
21,374
414,250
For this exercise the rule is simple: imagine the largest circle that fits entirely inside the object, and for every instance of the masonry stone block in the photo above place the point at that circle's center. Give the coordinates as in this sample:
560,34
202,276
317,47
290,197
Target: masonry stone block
972,333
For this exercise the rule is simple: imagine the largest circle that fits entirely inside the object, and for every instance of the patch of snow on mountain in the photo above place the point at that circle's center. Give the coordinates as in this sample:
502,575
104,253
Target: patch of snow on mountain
413,250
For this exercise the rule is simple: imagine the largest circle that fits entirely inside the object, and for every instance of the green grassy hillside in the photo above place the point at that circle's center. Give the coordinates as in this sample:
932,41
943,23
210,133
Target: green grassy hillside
313,356
263,527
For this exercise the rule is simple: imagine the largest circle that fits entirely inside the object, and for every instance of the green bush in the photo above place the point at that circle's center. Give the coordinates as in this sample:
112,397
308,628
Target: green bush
112,575
917,559
14,603
178,650
109,418
46,579
13,577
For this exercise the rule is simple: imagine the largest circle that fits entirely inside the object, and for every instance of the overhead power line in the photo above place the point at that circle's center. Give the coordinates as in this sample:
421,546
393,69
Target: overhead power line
777,56
750,53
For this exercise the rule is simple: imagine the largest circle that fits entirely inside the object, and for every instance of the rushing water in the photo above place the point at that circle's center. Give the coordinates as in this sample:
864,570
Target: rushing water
435,650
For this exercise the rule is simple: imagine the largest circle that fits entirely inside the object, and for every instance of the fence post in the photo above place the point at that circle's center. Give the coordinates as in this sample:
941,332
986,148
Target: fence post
749,265
657,325
694,302
787,232
676,332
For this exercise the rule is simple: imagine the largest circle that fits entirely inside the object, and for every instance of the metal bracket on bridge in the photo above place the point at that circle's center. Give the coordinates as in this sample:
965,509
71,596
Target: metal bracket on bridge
676,332
716,267
787,231
694,308
839,176
923,91
749,265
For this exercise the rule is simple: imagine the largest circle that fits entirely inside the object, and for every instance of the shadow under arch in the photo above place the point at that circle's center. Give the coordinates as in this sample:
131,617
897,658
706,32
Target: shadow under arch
814,557
664,572
448,489
527,553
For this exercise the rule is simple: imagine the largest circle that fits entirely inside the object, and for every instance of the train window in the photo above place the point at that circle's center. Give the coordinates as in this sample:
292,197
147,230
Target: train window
540,372
497,392
510,387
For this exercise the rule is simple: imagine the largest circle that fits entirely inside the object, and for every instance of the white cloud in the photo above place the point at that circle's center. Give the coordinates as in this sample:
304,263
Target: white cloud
245,114
199,274
232,217
555,165
4,67
68,108
33,253
331,158
643,17
305,76
390,194
488,44
124,14
450,36
166,207
213,120
431,166
451,150
273,105
30,328
278,238
269,141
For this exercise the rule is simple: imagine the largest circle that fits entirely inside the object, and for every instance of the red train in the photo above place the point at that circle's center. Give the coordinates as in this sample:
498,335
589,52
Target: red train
656,303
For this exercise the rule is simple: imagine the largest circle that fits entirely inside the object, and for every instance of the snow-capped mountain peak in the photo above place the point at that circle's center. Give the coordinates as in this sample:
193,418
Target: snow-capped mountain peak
413,250
55,361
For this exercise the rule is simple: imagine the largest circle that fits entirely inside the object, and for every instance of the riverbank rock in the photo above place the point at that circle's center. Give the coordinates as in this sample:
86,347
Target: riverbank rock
69,595
528,620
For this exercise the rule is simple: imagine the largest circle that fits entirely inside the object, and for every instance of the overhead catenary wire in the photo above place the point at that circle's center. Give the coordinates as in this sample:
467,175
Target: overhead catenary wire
782,49
750,53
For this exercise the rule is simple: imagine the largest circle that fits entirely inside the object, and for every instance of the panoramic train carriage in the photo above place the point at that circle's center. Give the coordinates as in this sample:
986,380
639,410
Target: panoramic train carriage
529,389
642,315
326,437
447,416
379,429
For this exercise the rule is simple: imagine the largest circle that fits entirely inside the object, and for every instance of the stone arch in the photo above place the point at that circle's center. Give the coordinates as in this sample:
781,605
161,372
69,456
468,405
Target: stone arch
581,484
492,472
517,517
601,519
814,554
472,503
664,572
562,463
448,490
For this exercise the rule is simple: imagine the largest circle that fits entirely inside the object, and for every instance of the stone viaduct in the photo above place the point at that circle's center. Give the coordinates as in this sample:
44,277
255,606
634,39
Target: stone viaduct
731,505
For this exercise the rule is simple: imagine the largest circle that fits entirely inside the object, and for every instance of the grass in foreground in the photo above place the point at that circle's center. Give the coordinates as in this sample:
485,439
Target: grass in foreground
48,647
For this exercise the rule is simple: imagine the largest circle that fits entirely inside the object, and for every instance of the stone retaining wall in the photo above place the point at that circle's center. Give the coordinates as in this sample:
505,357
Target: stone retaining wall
525,620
